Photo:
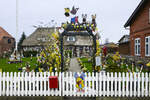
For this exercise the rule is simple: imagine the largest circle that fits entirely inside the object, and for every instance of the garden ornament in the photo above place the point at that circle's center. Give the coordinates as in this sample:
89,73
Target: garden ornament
94,20
80,82
67,11
74,10
84,16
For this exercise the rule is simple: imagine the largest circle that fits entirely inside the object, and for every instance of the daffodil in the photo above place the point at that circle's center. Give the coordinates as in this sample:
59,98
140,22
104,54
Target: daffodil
148,64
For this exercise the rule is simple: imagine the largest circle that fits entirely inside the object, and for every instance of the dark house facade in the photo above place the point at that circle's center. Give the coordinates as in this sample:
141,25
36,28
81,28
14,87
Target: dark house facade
139,24
124,45
7,42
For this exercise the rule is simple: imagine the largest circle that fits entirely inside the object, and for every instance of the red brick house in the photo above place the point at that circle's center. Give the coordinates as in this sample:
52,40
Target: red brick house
7,42
139,24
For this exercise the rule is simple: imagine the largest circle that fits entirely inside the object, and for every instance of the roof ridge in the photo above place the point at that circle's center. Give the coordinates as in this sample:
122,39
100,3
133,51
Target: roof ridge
134,13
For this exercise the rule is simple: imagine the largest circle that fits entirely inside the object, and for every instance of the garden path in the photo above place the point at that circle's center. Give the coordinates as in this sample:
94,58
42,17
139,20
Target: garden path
74,65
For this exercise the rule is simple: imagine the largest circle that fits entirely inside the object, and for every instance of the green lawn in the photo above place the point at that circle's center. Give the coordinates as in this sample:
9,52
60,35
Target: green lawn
14,67
87,64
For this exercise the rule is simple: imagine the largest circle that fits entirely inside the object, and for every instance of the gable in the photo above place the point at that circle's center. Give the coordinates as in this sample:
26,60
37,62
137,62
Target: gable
40,35
135,13
4,33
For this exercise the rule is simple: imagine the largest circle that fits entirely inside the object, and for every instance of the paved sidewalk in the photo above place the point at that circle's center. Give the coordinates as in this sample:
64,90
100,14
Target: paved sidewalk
74,65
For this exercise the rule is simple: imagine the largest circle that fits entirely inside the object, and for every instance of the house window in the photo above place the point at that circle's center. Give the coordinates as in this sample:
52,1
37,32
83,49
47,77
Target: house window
9,41
71,38
147,46
137,46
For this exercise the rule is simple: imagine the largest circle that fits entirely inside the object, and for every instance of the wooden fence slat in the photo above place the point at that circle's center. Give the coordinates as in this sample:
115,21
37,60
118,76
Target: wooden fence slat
18,81
7,84
3,84
0,83
33,82
63,85
45,79
143,85
107,87
139,84
116,80
96,85
119,85
149,84
135,85
22,84
131,80
123,84
100,84
60,82
127,84
111,87
93,84
15,86
146,84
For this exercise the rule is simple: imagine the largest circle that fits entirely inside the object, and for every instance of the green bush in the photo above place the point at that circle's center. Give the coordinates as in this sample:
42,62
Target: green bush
29,53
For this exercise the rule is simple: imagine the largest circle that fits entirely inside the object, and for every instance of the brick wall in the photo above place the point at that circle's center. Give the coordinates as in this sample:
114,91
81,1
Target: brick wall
124,48
140,28
5,46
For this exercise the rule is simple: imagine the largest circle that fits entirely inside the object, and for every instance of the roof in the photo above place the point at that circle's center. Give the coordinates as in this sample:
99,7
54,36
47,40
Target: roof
39,37
111,45
124,36
132,17
4,33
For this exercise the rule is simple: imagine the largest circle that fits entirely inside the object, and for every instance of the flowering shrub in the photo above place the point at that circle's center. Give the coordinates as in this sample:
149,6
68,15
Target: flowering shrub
50,58
148,64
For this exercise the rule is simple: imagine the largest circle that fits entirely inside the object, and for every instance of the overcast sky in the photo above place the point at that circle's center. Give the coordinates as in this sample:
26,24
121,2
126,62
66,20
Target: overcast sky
111,15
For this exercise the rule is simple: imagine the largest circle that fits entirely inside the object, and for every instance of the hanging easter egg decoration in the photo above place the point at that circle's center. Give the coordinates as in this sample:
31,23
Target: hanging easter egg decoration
67,11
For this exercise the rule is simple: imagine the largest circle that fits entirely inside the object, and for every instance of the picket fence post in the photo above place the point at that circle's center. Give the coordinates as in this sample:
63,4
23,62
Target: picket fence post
0,83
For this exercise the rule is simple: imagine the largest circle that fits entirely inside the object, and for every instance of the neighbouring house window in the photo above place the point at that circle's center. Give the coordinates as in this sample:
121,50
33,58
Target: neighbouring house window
9,41
147,46
71,38
137,46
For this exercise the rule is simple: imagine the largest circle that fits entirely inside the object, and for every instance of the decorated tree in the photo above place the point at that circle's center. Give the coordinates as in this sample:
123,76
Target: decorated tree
49,59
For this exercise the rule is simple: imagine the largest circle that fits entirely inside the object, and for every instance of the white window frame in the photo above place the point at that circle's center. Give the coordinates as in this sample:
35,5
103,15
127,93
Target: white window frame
147,43
137,47
71,38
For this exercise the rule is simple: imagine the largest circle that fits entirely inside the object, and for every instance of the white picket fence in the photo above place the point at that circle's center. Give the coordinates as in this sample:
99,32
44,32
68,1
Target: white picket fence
96,84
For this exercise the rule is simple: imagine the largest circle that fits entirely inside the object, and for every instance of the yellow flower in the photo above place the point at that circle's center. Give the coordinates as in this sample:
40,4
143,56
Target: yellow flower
51,69
116,57
148,64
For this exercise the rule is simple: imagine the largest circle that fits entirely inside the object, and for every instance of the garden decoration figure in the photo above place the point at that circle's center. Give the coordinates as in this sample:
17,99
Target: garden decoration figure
67,11
84,16
80,82
93,25
74,10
